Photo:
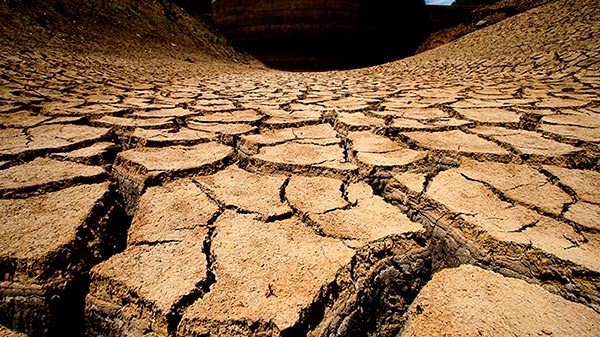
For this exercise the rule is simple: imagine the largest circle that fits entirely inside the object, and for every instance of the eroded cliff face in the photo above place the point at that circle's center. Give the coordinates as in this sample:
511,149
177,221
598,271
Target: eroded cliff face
316,34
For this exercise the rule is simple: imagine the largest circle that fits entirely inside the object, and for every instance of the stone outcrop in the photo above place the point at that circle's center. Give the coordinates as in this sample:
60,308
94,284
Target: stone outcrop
316,34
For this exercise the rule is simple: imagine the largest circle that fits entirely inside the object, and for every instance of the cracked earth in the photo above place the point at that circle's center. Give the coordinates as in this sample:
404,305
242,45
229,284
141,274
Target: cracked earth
456,192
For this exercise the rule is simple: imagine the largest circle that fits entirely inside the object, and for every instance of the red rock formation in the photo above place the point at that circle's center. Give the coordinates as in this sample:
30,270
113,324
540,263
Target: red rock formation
334,33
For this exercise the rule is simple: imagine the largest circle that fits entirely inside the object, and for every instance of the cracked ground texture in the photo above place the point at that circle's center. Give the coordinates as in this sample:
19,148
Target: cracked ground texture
456,192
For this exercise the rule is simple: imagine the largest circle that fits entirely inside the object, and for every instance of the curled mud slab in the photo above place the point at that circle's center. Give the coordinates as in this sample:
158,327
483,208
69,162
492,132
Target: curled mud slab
26,143
43,174
448,303
454,192
49,241
6,332
478,215
137,169
231,263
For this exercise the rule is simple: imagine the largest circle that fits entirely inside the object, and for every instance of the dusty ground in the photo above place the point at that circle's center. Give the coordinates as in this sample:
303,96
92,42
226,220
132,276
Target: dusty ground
154,196
479,17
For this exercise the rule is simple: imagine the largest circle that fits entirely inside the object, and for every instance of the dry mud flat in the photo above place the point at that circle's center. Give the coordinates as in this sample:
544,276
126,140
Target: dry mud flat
456,192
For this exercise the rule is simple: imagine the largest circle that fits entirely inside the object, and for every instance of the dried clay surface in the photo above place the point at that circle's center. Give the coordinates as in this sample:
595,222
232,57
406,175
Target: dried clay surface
455,192
450,302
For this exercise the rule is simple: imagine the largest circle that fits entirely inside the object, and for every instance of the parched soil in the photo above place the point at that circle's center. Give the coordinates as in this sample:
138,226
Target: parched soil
473,18
112,27
145,194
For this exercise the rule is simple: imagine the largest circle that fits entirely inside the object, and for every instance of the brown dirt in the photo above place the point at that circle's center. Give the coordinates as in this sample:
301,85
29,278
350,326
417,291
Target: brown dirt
479,17
154,38
469,301
112,27
148,195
